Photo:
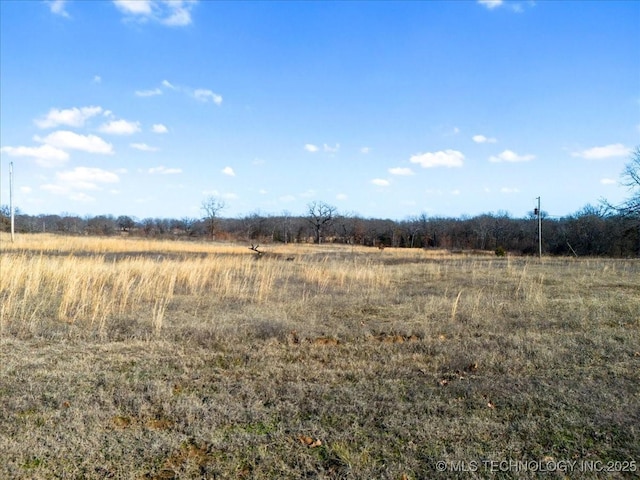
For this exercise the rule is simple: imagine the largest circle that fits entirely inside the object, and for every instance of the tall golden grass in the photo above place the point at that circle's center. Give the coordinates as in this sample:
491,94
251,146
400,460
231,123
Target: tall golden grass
75,279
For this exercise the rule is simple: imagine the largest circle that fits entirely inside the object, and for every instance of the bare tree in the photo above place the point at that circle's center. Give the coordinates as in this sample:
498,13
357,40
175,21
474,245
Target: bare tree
630,179
212,207
321,216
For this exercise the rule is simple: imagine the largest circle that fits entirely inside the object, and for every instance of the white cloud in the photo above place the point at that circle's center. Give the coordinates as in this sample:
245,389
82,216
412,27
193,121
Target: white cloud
167,84
483,139
455,192
65,139
608,151
205,95
159,128
79,179
342,196
446,158
26,189
97,79
380,182
45,155
365,150
57,7
490,4
87,174
608,181
516,7
120,127
309,147
263,191
287,198
180,17
143,147
229,171
72,117
173,13
511,157
134,7
201,94
329,149
403,171
162,170
509,190
148,93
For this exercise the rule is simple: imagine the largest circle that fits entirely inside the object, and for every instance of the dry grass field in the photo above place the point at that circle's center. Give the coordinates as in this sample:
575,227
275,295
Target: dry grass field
136,359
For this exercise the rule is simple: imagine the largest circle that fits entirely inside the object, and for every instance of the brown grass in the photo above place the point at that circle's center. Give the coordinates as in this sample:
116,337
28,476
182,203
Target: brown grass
125,358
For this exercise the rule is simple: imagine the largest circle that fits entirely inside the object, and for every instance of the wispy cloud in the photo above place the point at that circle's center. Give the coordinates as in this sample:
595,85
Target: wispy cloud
511,157
72,117
446,158
143,147
159,128
162,170
490,4
402,171
120,127
204,95
514,6
483,139
608,181
330,149
381,182
44,155
342,196
365,150
173,13
168,84
309,147
148,93
607,151
57,7
66,140
229,171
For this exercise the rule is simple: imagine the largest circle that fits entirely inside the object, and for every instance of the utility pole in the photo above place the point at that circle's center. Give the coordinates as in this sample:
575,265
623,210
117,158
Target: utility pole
539,229
11,210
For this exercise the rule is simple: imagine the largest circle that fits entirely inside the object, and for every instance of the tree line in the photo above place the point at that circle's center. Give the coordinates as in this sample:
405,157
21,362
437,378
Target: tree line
592,231
604,230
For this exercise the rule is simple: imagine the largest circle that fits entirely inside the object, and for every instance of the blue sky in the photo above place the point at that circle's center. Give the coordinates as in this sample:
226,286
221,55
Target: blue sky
384,109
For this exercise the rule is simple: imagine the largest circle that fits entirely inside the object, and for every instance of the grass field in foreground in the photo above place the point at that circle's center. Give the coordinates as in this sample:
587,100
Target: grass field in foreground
125,358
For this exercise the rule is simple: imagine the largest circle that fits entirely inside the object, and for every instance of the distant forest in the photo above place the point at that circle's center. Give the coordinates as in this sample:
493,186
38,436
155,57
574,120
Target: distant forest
592,231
